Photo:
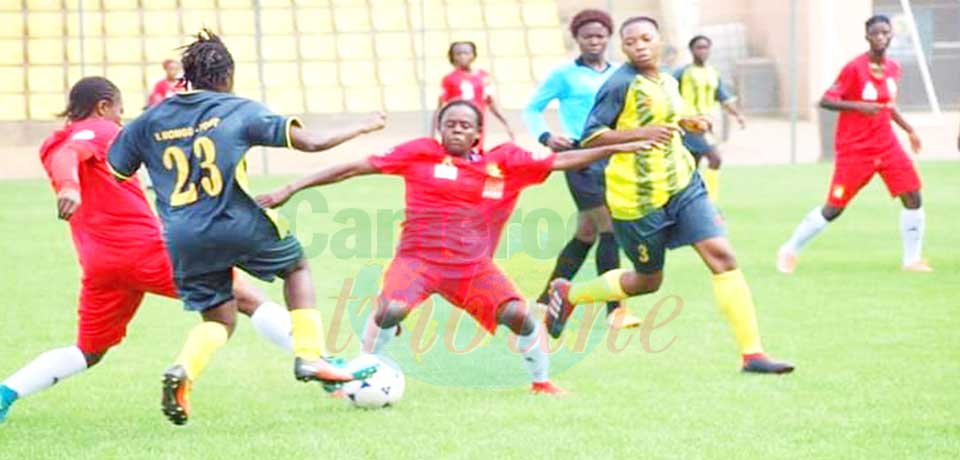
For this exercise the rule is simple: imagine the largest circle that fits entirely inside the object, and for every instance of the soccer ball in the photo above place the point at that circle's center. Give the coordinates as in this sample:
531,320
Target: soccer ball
382,389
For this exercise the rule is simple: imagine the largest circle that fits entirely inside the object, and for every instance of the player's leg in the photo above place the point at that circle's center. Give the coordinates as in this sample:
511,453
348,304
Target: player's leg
531,343
269,319
902,180
608,259
849,176
406,283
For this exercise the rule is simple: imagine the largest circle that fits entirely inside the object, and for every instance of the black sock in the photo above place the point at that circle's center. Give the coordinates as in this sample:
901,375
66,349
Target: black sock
568,263
608,258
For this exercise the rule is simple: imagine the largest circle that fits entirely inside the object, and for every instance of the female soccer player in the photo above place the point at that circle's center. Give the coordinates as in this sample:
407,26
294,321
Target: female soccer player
575,86
193,145
457,203
657,198
468,84
118,241
865,94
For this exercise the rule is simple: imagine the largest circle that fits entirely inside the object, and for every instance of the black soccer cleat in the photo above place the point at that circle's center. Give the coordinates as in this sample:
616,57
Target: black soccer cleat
764,365
329,371
559,308
176,395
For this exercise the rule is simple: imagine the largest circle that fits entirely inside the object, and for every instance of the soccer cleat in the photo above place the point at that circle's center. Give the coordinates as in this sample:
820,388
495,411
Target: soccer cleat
919,266
621,318
328,371
176,395
547,388
761,364
786,262
560,307
7,398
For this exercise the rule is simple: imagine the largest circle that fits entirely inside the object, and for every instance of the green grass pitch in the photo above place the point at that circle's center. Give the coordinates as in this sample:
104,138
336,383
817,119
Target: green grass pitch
877,350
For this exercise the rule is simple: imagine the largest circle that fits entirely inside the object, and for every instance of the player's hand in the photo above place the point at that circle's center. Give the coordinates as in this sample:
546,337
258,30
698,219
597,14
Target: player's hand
377,121
274,199
741,121
635,146
68,201
658,134
696,125
510,134
915,144
559,143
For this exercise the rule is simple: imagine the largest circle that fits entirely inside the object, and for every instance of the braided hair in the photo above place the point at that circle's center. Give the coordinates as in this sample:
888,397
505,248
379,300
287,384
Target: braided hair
207,64
86,94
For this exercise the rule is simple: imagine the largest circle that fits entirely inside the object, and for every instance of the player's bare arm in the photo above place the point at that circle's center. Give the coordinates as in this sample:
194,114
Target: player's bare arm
329,175
579,159
314,141
495,110
915,144
658,134
837,105
731,108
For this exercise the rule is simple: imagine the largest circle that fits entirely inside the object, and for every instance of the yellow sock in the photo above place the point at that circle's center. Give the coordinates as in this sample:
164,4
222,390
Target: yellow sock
603,288
307,334
736,303
202,341
711,178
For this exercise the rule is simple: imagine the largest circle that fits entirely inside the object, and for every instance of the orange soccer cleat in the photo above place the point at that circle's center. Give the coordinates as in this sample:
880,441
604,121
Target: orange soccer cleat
547,388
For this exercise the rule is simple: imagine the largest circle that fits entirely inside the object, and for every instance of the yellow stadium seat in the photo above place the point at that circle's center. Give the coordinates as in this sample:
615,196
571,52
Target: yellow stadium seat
540,14
390,17
238,22
277,22
11,79
11,25
543,65
46,106
437,42
287,101
393,45
248,93
318,47
546,41
92,24
281,75
275,3
279,48
129,78
245,76
309,3
235,4
320,74
45,78
123,50
75,73
341,3
92,51
44,24
376,4
478,37
133,111
465,16
314,20
163,23
363,99
159,4
12,107
43,5
514,96
355,46
45,50
358,73
351,19
159,49
397,71
194,20
436,69
431,17
122,23
324,100
11,5
511,70
195,4
403,98
503,15
11,52
242,48
508,43
113,5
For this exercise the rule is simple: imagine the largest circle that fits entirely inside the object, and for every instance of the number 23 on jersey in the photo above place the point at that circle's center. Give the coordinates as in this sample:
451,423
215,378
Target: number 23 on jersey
211,181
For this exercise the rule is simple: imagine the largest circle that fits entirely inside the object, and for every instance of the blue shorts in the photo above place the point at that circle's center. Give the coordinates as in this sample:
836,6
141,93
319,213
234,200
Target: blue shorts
689,217
698,144
208,290
587,186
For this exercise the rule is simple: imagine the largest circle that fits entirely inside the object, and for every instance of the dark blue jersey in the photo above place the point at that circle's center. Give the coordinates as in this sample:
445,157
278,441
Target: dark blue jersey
194,147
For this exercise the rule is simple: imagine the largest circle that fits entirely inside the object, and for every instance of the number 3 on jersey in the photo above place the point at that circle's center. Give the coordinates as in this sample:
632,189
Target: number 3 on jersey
185,193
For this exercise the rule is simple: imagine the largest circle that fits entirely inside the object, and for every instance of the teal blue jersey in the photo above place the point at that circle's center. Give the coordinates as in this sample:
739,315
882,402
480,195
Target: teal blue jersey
194,146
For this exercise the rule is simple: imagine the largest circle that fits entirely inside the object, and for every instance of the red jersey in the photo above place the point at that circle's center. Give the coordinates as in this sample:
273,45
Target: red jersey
456,207
162,90
470,86
859,133
114,217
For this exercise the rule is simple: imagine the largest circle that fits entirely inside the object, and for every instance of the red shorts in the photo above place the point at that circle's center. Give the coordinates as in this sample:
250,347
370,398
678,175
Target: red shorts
113,287
479,289
854,170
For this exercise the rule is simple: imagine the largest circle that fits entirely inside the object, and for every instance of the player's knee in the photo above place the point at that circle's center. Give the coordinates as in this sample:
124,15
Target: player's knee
300,265
225,315
515,316
714,160
586,231
390,313
93,358
830,213
723,261
635,283
911,200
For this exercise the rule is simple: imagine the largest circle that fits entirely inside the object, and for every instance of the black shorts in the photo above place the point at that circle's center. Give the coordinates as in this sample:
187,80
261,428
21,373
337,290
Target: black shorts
587,186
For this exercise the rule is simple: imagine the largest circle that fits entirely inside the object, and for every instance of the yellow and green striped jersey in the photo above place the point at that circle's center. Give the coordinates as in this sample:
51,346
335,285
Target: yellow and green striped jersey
638,183
702,89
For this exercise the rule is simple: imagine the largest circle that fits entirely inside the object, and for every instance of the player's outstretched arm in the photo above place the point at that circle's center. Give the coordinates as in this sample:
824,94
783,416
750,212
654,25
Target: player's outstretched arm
839,105
915,143
313,141
579,159
330,175
495,110
657,134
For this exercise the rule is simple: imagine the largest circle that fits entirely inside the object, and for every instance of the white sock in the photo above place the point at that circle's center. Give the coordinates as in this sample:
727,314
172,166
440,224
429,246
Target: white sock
809,227
272,322
375,338
912,223
46,370
534,355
